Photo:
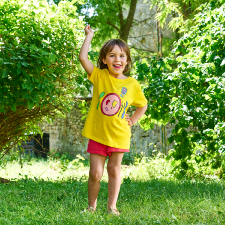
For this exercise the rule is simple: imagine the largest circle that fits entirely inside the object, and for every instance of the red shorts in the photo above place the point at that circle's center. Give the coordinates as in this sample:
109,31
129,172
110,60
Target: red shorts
100,149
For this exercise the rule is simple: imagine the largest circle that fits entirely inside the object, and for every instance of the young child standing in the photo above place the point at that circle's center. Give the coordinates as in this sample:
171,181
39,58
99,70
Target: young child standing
107,125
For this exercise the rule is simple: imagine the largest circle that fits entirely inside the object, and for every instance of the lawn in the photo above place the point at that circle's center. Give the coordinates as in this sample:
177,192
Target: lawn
55,192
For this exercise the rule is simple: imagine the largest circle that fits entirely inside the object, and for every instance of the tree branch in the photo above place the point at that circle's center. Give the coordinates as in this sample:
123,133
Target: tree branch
113,25
126,28
144,19
147,49
140,49
140,35
121,15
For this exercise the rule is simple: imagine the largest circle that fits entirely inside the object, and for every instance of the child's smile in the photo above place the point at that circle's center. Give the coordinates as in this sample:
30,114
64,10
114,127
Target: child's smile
117,66
116,61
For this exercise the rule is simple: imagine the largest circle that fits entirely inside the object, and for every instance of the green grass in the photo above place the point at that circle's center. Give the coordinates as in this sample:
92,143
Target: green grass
47,192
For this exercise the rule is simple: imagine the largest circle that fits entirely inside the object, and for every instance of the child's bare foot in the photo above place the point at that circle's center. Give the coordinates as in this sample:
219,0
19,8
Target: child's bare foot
113,211
89,209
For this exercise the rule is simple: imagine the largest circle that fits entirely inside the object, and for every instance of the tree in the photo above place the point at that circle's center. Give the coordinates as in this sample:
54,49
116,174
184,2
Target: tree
182,12
191,96
108,18
39,66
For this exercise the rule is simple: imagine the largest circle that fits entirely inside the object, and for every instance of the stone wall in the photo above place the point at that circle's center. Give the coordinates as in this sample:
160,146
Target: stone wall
143,35
65,135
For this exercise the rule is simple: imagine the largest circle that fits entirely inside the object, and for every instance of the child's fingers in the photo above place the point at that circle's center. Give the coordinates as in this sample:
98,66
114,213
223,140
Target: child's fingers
130,123
88,29
128,119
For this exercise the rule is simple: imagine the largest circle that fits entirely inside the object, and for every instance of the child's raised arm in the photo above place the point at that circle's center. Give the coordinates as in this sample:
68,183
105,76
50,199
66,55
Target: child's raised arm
83,56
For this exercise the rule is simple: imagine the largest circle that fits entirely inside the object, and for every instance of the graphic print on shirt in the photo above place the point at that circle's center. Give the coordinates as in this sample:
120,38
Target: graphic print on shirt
111,104
123,92
100,96
123,109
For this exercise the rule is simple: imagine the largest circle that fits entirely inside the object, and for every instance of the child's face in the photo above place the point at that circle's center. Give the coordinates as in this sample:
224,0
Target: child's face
116,61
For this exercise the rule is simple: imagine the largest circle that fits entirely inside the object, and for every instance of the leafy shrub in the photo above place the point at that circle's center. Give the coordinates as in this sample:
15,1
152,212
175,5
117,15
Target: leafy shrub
39,67
192,96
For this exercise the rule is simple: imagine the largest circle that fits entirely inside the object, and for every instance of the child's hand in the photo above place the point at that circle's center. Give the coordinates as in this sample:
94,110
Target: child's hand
128,119
88,30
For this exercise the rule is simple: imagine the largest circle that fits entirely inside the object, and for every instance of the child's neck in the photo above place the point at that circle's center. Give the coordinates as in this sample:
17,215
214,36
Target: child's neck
118,76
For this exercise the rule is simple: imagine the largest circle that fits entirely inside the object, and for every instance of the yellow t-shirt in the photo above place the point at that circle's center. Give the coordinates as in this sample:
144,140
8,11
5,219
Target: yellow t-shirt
112,97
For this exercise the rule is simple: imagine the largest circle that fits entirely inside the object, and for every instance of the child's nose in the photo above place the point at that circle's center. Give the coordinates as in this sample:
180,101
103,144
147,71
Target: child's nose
117,58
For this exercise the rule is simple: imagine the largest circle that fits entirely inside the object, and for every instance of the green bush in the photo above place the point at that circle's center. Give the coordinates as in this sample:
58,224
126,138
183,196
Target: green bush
39,65
192,96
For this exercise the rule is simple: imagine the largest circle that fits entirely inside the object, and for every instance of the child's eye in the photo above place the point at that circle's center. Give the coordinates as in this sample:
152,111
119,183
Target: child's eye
122,56
111,55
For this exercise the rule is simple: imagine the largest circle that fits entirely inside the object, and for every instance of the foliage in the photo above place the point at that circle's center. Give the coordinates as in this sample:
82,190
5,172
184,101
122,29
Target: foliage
181,12
192,96
84,108
65,162
39,66
108,19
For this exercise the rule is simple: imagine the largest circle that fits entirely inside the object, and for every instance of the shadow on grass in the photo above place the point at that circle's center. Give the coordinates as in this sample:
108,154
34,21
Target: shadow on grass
155,201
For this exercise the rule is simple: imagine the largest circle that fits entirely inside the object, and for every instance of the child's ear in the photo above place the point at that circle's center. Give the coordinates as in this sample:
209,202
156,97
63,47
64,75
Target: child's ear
104,61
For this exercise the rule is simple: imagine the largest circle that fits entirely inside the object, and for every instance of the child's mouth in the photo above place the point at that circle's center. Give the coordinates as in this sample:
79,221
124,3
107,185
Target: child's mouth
117,66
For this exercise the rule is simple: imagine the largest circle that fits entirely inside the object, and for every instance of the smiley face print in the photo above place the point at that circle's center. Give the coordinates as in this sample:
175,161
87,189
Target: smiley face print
111,104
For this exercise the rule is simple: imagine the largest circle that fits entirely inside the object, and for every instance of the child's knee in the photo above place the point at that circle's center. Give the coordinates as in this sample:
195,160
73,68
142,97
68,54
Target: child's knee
95,176
113,170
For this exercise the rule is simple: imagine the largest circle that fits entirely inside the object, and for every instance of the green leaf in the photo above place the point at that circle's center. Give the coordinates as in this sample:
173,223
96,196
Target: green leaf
184,133
13,107
184,165
223,62
25,64
2,108
30,104
4,73
52,57
18,71
19,65
83,110
83,117
173,162
170,140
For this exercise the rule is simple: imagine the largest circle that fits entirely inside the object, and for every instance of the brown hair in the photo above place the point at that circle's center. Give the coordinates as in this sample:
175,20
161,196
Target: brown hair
108,47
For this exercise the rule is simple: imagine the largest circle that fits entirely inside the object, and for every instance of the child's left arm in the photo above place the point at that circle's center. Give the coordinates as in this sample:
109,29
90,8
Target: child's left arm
136,116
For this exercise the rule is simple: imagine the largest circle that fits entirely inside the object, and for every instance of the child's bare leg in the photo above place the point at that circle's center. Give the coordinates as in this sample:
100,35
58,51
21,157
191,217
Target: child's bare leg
97,163
114,173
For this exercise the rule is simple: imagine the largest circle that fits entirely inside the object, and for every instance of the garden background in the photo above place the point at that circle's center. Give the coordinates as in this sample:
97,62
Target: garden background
178,57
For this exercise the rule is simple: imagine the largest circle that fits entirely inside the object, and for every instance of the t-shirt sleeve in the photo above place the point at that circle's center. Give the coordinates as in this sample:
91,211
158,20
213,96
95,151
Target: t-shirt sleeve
96,75
139,99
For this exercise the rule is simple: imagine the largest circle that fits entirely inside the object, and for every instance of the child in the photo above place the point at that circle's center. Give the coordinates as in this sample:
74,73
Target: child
107,125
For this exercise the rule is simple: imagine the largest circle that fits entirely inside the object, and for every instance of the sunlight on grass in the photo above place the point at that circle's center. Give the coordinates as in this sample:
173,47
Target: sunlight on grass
60,170
55,192
46,170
